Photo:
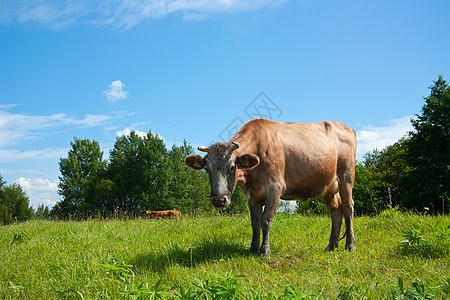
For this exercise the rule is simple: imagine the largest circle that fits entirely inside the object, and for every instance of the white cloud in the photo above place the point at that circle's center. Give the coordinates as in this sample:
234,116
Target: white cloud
40,191
133,12
121,14
13,155
7,106
115,91
142,134
378,137
93,120
127,131
14,127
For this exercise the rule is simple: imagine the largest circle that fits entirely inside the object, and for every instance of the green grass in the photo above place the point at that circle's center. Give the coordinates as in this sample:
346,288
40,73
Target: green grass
195,255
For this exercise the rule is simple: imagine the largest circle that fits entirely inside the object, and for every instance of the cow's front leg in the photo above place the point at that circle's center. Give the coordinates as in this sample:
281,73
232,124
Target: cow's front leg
256,216
269,210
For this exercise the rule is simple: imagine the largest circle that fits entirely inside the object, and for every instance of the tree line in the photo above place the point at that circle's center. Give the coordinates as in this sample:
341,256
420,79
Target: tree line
141,174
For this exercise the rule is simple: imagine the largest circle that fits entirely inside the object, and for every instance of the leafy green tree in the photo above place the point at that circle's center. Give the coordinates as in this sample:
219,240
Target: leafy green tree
42,212
139,169
428,152
19,202
188,189
239,202
14,204
369,193
81,173
313,206
387,169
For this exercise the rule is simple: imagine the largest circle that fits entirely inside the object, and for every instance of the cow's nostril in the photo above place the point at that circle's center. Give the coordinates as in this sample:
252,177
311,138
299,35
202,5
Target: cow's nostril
219,201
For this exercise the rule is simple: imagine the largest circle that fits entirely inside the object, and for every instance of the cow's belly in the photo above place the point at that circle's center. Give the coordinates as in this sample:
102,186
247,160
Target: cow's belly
304,192
293,197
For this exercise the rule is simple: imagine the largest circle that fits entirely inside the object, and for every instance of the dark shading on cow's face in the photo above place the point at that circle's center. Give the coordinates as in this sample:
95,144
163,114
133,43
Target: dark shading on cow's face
221,163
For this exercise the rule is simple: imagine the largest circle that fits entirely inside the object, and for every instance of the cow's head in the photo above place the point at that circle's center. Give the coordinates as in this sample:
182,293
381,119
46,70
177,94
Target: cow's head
222,164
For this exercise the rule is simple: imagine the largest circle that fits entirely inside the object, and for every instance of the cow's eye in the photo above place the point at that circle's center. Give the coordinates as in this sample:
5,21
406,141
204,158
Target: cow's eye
232,167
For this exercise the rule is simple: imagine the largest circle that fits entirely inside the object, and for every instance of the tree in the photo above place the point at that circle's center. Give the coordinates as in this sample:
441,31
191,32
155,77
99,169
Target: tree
188,189
429,151
139,169
19,202
14,204
387,169
42,212
369,193
81,173
239,202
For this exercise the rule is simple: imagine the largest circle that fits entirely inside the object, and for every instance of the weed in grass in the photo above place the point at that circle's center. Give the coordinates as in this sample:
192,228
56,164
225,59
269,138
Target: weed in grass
416,292
15,290
19,237
70,293
157,291
445,287
220,287
413,237
118,271
435,245
292,293
187,294
348,292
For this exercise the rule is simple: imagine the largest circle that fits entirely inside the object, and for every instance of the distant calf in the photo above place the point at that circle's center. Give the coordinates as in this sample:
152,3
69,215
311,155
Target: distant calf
166,214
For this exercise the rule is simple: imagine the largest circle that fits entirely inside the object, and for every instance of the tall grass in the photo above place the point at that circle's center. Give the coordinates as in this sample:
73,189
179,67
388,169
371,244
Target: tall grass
198,256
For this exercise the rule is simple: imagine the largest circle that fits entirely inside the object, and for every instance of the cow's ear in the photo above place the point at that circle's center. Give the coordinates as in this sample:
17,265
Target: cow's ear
195,161
247,161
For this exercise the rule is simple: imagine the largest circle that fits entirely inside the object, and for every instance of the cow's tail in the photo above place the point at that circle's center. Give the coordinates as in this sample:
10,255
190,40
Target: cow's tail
345,233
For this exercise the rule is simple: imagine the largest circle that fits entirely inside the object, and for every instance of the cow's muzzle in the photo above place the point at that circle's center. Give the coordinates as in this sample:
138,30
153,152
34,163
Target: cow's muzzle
221,201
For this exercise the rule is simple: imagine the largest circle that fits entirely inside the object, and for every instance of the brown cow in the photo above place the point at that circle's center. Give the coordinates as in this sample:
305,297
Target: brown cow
153,214
292,161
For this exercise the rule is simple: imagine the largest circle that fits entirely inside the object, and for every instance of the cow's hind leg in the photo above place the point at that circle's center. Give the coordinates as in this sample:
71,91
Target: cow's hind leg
334,205
345,190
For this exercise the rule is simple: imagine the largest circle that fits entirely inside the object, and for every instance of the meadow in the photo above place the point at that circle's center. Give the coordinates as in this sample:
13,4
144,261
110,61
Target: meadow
398,256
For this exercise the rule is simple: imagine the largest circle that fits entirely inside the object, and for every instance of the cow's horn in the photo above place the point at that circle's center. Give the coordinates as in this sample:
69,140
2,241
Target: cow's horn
203,148
236,146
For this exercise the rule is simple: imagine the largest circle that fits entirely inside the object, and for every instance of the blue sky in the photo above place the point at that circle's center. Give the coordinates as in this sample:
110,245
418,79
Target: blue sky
196,69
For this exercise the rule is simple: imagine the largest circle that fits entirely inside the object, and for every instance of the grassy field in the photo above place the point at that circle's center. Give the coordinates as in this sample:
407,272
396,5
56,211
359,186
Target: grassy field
203,258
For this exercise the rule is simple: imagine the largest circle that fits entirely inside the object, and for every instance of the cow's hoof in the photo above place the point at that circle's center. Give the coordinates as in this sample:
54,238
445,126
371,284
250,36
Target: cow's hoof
264,255
331,247
253,251
350,248
265,252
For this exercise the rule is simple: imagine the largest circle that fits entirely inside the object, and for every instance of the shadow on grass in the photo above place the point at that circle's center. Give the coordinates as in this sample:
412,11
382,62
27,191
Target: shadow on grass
188,256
